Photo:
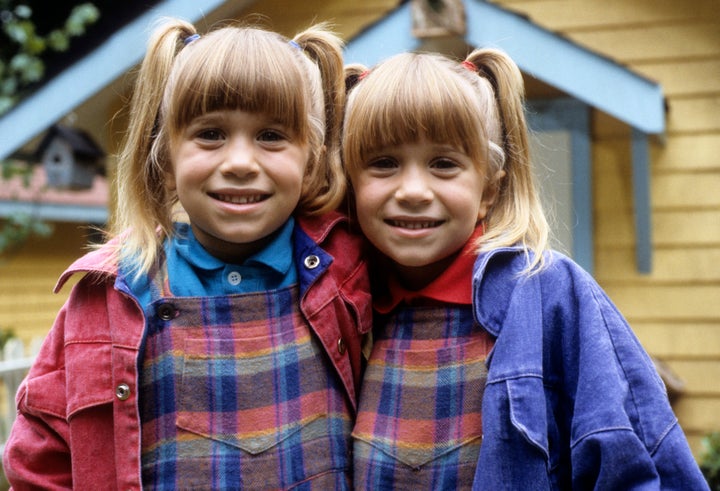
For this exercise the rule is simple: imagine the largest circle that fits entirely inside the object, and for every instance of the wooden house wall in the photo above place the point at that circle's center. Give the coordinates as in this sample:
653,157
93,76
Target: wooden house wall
28,305
675,310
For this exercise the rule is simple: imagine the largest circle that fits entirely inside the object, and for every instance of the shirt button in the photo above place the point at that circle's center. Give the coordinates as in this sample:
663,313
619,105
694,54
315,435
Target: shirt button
312,261
122,392
234,278
166,311
341,346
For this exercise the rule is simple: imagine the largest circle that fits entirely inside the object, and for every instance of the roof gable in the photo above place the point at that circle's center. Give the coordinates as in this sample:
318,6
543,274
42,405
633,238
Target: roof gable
547,56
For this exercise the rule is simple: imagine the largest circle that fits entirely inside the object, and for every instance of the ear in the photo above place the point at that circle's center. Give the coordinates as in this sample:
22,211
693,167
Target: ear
490,194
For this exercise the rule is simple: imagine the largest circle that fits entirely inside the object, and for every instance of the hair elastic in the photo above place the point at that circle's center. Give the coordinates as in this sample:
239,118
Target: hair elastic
470,65
295,45
191,38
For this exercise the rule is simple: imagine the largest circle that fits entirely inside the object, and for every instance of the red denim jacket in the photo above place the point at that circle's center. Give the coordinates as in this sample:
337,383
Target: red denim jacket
78,424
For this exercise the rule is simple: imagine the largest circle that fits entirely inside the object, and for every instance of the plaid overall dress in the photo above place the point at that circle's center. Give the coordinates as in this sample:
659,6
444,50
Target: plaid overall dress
236,393
419,423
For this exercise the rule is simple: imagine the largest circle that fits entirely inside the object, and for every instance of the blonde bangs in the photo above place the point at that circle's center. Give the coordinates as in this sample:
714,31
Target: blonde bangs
384,110
239,70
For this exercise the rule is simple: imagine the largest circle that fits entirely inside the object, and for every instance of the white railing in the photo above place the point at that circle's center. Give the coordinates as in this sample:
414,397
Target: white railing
13,368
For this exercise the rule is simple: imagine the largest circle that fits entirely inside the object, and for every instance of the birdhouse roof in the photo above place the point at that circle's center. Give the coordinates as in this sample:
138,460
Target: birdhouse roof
80,142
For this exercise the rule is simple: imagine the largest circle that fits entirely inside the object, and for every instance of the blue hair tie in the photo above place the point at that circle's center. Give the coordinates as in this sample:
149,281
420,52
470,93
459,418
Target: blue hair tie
191,38
295,45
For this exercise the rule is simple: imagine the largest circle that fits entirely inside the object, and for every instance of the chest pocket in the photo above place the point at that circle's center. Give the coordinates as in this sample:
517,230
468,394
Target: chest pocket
90,385
419,405
253,393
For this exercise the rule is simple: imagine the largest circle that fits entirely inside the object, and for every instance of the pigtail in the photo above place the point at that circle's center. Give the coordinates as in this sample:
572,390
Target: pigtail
354,72
142,203
325,49
517,215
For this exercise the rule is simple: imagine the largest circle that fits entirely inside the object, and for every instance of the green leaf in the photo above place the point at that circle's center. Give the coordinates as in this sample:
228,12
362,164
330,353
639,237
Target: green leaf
23,11
30,68
35,45
80,17
6,103
16,32
58,40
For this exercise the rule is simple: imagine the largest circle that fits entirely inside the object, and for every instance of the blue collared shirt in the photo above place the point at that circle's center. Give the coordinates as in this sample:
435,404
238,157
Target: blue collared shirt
195,272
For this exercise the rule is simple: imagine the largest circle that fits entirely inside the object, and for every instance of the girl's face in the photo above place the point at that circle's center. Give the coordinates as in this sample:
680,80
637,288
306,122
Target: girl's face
238,176
418,204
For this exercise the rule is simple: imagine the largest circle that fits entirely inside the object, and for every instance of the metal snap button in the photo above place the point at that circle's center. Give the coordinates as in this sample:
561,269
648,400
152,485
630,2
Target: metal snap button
122,391
341,346
312,261
166,311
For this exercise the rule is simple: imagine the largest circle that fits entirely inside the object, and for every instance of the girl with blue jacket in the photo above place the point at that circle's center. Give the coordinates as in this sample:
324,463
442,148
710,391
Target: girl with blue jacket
496,363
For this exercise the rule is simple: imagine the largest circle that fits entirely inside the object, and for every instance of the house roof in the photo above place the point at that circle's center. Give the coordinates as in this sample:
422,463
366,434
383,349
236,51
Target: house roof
585,75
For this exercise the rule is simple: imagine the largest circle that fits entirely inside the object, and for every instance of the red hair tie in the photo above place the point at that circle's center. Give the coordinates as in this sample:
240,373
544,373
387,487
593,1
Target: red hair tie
363,74
470,65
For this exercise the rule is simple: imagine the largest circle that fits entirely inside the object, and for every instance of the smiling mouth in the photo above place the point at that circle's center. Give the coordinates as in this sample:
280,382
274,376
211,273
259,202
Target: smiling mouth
239,200
414,225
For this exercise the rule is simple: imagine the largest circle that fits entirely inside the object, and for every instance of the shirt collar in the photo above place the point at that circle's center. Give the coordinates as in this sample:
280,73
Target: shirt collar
277,255
454,285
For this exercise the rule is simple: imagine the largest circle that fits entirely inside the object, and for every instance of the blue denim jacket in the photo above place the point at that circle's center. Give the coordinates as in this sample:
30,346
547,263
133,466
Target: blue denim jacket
572,400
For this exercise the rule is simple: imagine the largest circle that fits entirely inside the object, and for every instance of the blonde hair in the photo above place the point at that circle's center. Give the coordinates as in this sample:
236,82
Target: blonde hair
299,83
476,106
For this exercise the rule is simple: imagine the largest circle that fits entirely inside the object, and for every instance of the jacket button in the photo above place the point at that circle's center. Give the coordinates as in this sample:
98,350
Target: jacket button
312,261
166,311
341,346
122,392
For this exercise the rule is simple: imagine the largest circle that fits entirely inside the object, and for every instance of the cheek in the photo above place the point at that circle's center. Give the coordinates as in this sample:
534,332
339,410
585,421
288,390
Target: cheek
170,184
365,197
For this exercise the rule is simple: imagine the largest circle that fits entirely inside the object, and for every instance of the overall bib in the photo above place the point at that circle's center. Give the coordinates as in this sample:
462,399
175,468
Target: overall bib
236,393
419,423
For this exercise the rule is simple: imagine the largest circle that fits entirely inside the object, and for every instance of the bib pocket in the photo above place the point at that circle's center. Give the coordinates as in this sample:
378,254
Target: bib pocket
252,393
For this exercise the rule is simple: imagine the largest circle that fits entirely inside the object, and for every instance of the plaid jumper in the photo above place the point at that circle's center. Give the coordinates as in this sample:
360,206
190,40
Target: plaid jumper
237,393
419,424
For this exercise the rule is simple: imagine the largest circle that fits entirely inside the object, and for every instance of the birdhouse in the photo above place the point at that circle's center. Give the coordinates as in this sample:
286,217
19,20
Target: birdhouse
70,157
438,18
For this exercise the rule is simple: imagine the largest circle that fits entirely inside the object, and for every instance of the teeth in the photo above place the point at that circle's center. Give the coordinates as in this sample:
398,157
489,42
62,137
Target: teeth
239,200
414,225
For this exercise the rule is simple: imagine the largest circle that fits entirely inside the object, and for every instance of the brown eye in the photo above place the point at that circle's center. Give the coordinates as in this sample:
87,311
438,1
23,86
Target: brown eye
382,163
210,134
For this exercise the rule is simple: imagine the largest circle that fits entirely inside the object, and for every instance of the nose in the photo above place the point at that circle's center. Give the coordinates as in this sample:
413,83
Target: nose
414,187
240,159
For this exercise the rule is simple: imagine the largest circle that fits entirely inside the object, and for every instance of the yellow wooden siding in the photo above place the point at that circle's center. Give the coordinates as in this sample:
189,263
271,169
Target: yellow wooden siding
675,310
27,304
347,17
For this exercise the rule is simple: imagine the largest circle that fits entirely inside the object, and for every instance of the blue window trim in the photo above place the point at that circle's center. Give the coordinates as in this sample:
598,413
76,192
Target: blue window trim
572,116
53,212
642,204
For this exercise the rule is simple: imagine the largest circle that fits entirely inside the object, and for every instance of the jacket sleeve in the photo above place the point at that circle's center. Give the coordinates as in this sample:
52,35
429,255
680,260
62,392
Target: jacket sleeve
572,387
36,454
623,432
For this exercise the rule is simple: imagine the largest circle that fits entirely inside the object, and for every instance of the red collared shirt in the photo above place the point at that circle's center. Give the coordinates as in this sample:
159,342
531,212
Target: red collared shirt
454,285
